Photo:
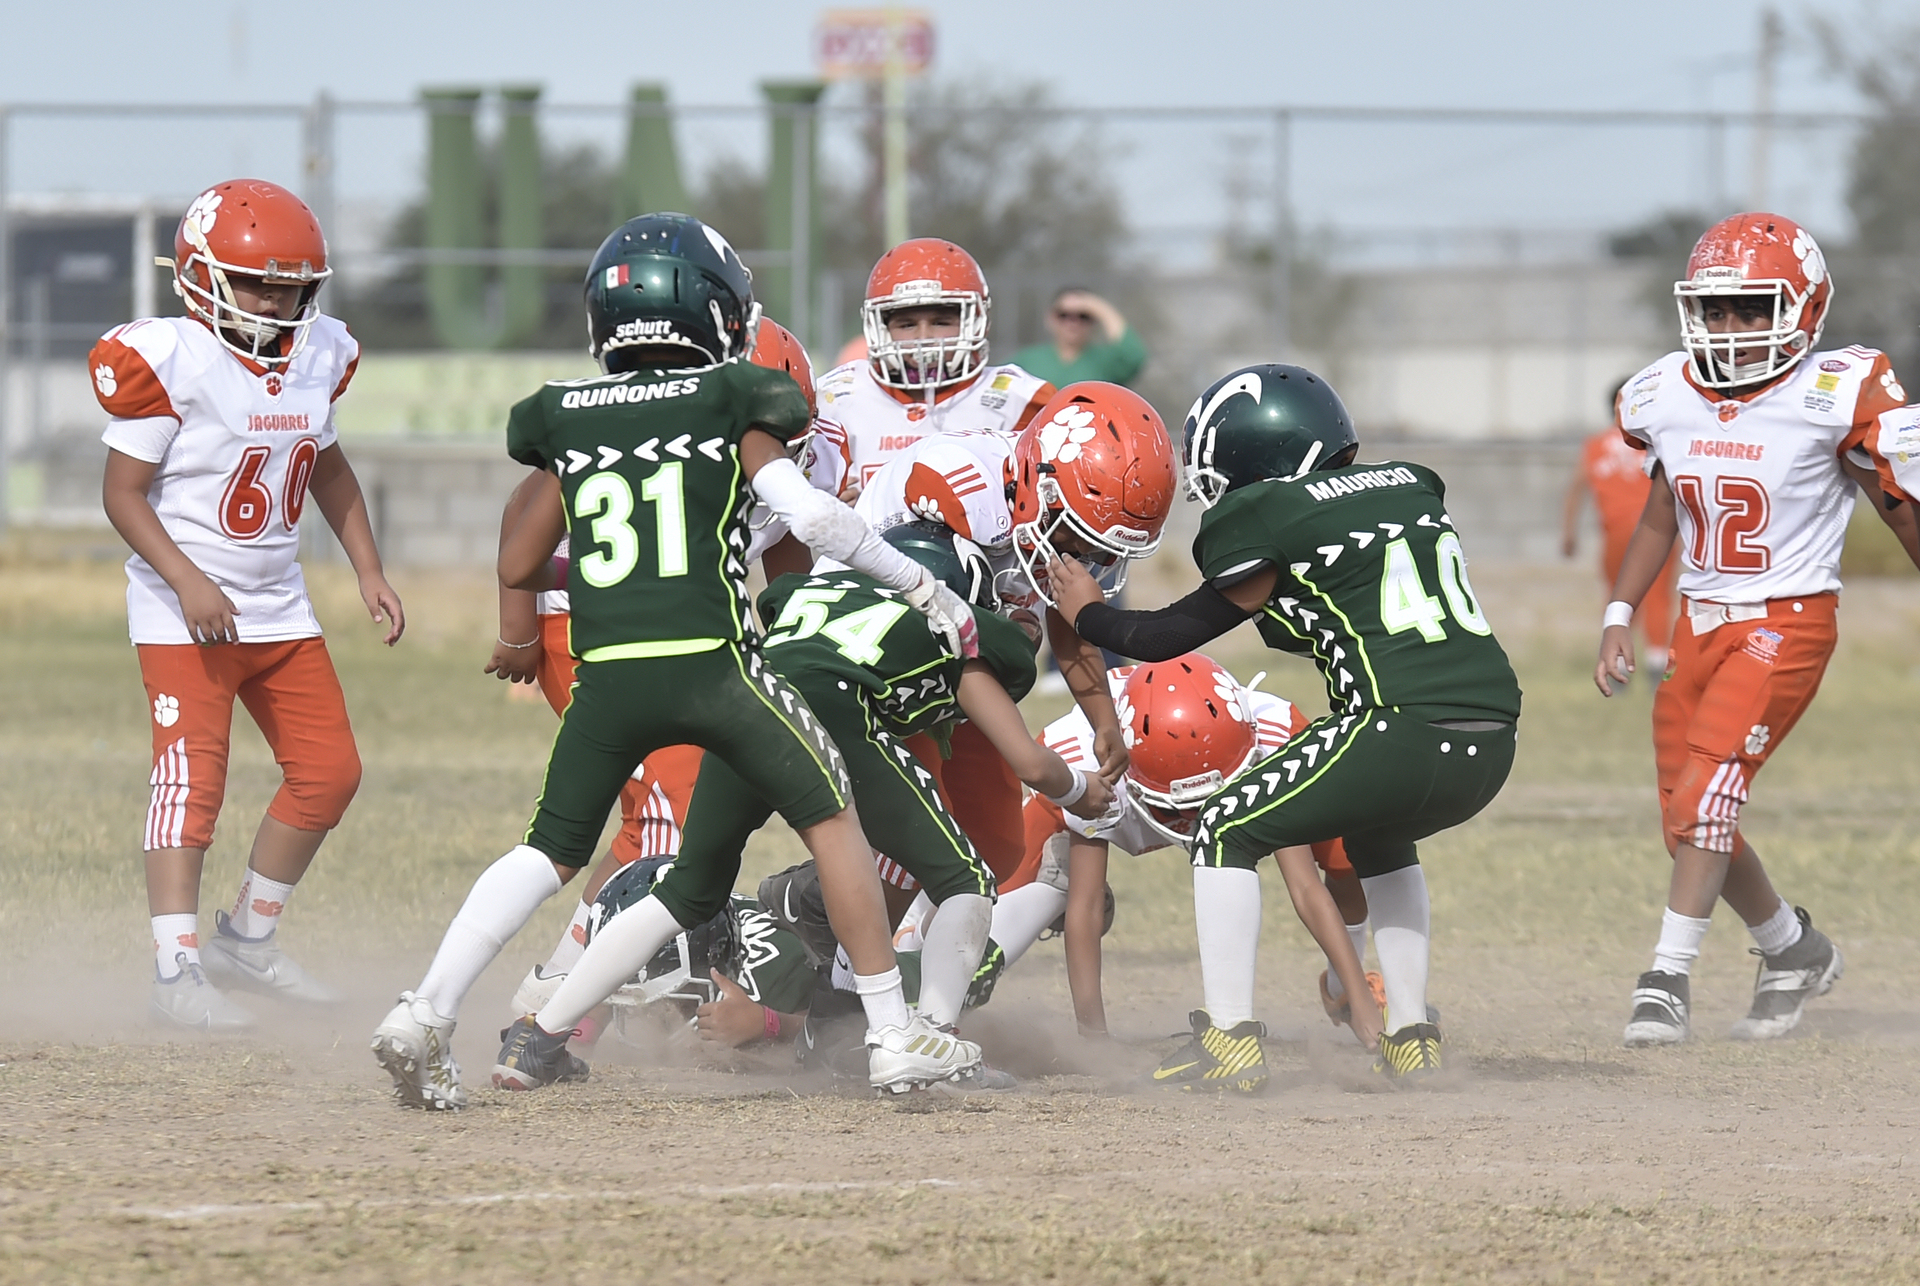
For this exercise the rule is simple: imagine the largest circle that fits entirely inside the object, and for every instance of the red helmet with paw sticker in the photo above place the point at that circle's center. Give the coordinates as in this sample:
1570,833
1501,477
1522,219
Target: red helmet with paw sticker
1188,728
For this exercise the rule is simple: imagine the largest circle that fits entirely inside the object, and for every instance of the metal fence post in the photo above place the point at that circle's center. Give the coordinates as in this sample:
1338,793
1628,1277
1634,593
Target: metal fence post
799,306
6,328
1282,234
319,160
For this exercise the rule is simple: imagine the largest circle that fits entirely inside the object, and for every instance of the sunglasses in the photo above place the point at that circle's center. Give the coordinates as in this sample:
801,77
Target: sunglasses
1062,315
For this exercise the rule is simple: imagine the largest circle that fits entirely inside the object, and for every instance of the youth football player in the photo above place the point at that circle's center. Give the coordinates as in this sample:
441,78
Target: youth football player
652,469
221,430
1359,567
1758,442
871,673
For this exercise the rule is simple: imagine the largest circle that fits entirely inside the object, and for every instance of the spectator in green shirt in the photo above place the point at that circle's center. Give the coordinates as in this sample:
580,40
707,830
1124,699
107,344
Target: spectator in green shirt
1091,341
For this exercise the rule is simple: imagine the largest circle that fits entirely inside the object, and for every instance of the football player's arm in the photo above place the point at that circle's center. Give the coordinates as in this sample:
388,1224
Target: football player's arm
1162,634
526,551
1085,669
1646,556
1086,920
989,708
785,555
1897,515
831,530
1316,909
516,650
208,612
737,1019
337,492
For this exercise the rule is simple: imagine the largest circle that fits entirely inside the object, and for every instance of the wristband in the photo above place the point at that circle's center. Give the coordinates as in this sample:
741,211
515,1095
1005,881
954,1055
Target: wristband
1073,793
771,1021
1619,612
518,647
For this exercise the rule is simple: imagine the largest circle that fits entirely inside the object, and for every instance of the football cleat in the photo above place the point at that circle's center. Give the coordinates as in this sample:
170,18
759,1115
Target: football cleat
794,899
1659,1010
535,990
415,1045
900,1059
258,964
1216,1059
530,1058
1410,1053
188,1000
1787,981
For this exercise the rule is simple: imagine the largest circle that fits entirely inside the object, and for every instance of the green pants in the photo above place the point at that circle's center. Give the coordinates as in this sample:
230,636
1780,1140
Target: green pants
1377,779
727,701
900,810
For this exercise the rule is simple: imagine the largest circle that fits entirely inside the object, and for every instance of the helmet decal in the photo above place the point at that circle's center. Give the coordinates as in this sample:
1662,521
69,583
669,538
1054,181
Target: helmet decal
1060,437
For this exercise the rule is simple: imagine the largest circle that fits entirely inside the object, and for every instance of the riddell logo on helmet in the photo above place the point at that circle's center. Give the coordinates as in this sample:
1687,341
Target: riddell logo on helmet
1721,272
924,288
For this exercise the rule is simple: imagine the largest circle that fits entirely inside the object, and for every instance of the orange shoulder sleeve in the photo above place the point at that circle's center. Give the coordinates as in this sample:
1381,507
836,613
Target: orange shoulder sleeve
125,384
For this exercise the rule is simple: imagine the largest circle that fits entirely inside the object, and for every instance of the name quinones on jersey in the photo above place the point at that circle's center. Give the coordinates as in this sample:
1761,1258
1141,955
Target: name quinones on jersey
1365,480
611,394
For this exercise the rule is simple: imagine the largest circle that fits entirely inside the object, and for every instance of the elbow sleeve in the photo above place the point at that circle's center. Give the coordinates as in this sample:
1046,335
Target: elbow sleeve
829,528
1179,627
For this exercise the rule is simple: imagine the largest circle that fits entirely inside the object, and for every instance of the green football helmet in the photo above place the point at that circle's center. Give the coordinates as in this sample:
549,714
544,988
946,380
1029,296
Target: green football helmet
1264,422
956,561
669,281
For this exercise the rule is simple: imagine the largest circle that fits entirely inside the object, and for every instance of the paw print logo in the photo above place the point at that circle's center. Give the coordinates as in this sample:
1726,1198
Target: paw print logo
105,380
1757,739
199,219
166,710
1812,262
273,383
1061,437
927,507
1229,698
1123,711
1892,386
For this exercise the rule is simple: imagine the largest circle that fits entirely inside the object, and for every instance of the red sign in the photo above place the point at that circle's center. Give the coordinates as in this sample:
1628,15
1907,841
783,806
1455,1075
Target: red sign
852,44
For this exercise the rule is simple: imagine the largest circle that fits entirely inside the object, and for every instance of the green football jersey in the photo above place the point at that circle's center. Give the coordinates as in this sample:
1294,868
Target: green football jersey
1372,583
852,625
656,498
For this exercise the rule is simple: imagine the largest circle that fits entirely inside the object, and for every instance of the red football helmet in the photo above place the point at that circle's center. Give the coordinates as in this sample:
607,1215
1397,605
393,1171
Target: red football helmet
1754,255
255,229
1094,462
914,274
1188,728
775,348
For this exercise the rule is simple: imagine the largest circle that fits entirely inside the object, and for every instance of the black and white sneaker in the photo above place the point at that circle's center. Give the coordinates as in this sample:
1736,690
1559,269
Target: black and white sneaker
794,899
1660,1007
530,1058
1787,981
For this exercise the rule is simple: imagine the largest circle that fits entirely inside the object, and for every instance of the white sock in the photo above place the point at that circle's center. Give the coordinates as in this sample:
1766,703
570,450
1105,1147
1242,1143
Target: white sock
1778,932
956,941
1226,914
1356,934
174,936
842,976
572,942
502,900
1020,917
256,911
1398,907
620,950
880,995
1680,937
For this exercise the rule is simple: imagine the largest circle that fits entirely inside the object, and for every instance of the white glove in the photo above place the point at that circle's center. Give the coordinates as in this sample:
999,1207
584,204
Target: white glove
948,615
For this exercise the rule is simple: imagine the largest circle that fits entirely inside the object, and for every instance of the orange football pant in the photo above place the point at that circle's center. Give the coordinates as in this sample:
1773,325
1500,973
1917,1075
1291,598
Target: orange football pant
671,770
291,691
983,794
1734,695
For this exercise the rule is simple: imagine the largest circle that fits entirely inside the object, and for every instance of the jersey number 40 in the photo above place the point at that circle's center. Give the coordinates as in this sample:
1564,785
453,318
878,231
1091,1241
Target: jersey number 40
1405,603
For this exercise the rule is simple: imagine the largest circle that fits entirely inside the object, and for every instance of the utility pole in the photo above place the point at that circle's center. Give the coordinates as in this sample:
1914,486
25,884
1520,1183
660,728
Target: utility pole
895,146
1772,36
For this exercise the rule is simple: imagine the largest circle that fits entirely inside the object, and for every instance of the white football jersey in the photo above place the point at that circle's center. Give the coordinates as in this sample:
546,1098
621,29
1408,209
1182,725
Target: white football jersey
879,424
1763,502
1276,720
236,448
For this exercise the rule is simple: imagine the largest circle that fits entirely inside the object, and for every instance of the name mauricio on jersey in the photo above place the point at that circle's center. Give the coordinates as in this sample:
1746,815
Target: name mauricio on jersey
1365,480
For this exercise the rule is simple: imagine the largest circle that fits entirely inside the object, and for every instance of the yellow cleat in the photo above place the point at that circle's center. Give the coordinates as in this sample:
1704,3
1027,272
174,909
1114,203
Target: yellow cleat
1216,1059
1410,1053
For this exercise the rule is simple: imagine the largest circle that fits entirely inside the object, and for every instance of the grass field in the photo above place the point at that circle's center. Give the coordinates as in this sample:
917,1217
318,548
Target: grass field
1549,1153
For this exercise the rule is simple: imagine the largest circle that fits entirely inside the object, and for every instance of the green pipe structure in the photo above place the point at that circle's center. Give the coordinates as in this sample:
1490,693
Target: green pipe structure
784,287
651,182
457,295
